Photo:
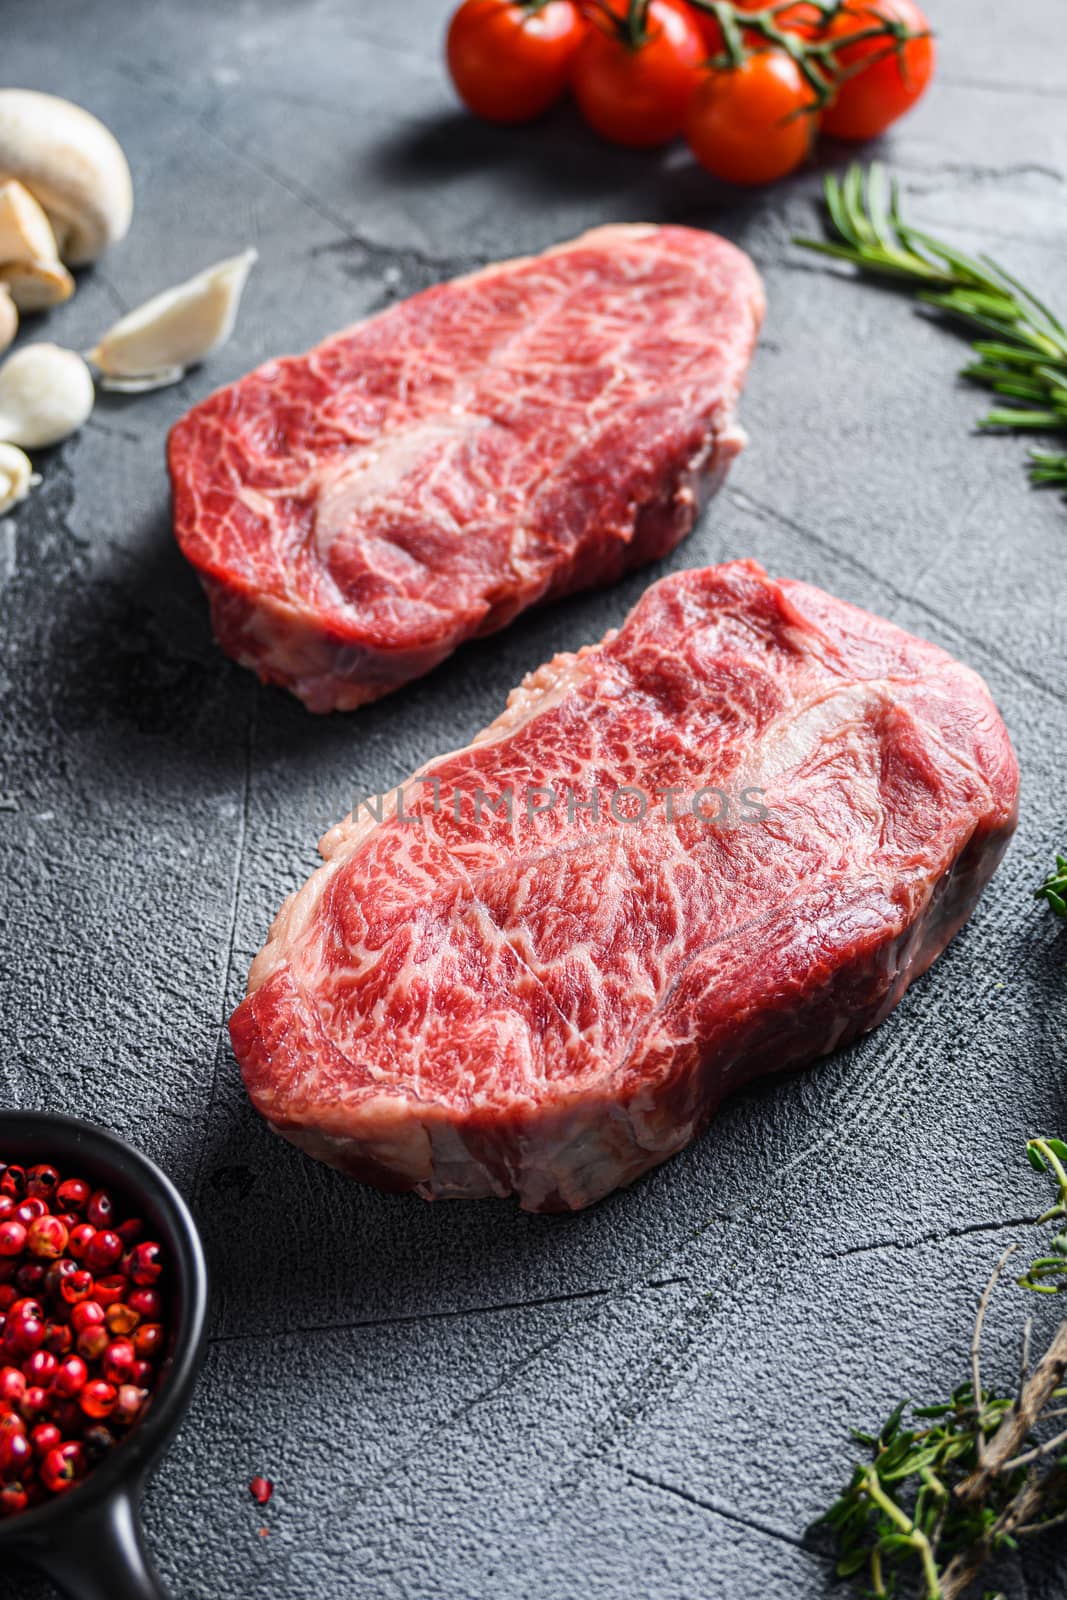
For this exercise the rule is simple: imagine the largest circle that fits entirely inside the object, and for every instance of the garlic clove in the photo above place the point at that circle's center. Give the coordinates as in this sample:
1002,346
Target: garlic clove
36,285
9,317
17,477
153,346
46,393
25,231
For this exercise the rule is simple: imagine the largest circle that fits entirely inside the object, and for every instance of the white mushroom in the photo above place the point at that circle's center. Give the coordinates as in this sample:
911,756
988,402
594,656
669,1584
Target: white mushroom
29,260
153,346
9,317
17,477
46,393
72,166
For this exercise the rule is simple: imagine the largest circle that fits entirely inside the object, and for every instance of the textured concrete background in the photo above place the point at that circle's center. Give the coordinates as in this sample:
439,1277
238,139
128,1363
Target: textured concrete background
455,1402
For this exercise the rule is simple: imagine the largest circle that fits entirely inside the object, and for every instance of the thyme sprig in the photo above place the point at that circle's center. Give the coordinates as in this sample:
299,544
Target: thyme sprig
1054,888
950,1486
1021,355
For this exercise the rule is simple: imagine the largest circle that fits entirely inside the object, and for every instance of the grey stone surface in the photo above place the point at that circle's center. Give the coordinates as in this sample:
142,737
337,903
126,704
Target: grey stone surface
651,1399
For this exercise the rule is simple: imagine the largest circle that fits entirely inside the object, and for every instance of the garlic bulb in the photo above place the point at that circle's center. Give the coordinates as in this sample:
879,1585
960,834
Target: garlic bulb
17,477
46,393
154,345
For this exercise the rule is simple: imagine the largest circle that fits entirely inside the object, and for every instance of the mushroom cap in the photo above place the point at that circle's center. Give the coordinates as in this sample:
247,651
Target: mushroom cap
72,165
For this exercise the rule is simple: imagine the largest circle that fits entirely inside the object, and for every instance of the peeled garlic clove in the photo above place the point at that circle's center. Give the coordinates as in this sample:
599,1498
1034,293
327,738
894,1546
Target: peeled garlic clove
9,317
36,285
17,477
46,393
154,345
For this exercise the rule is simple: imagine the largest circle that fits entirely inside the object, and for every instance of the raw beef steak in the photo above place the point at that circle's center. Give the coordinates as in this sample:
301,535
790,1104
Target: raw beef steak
539,427
465,1002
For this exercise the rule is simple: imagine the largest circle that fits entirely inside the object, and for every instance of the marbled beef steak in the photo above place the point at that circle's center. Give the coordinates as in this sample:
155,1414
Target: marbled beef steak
464,1001
536,428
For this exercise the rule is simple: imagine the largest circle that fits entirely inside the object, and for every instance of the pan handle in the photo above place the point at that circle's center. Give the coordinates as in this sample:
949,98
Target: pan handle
100,1554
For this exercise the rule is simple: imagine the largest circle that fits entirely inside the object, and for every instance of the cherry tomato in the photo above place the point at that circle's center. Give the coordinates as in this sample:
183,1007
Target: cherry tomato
803,19
752,123
865,104
510,59
639,95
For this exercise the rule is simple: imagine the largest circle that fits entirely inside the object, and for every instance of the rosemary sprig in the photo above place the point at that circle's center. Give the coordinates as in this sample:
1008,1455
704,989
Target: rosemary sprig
949,1486
1046,467
1054,888
1021,355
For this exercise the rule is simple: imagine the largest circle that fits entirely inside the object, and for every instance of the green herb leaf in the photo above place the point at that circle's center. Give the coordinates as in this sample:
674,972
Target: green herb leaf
1054,890
976,292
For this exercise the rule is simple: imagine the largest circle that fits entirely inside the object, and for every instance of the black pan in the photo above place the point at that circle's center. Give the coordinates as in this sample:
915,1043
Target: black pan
89,1541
